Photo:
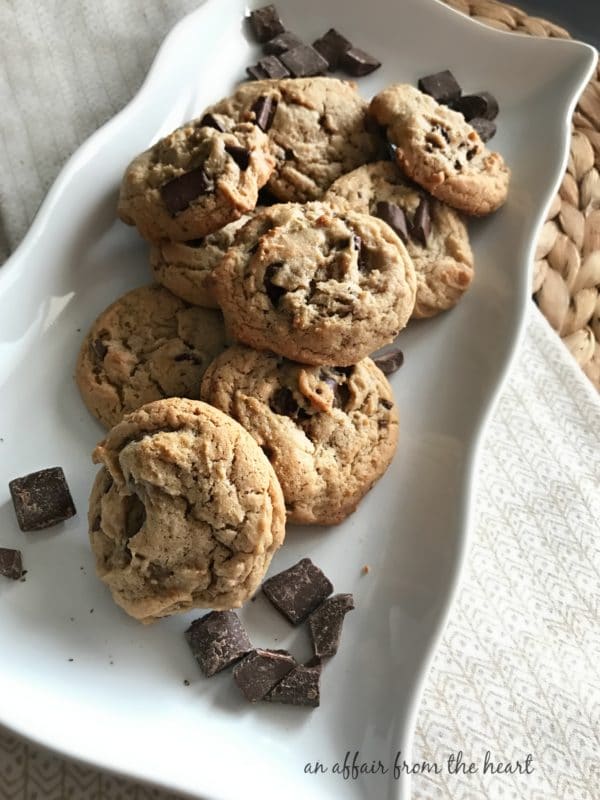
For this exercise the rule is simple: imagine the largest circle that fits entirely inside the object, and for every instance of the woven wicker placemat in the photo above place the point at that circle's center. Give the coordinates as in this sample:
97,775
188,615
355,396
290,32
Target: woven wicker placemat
566,283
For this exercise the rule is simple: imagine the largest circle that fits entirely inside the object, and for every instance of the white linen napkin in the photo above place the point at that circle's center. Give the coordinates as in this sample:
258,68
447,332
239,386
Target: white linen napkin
518,669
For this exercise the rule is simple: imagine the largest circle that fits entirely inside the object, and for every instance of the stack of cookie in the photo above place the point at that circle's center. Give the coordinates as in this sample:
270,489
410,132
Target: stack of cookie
288,248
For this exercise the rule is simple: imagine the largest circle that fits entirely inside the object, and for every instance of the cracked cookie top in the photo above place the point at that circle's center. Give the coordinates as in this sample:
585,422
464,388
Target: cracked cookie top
318,129
195,180
147,345
186,511
434,234
316,284
439,150
329,432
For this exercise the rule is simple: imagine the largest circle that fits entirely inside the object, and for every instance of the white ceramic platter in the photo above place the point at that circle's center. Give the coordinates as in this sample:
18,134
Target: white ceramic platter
121,702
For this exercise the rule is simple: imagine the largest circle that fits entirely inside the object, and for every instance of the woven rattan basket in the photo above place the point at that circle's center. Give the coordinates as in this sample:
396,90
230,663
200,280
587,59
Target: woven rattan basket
566,283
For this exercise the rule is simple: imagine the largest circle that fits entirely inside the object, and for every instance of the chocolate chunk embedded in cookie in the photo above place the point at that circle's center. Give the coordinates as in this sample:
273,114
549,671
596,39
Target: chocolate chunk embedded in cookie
330,433
196,180
316,126
439,150
316,284
186,511
434,234
147,345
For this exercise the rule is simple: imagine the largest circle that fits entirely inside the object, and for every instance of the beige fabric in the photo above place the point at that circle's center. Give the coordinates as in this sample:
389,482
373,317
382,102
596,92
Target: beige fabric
517,670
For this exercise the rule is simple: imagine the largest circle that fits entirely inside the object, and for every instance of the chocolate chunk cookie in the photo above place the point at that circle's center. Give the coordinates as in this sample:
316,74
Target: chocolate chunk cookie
329,432
316,126
147,345
439,150
186,511
316,284
185,267
440,251
195,180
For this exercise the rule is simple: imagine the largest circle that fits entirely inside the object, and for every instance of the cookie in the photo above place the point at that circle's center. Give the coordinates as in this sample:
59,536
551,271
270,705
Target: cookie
315,284
147,345
439,150
442,255
329,432
185,267
186,511
318,128
195,181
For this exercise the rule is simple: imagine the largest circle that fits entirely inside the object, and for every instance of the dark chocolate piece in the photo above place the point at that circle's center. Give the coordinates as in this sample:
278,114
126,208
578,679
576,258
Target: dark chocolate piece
256,73
261,670
210,121
389,362
282,43
298,590
274,292
11,563
484,127
265,23
273,68
363,253
266,197
217,641
325,624
300,687
283,402
41,499
421,224
304,61
482,105
332,45
240,155
99,348
442,86
395,218
264,110
179,192
358,63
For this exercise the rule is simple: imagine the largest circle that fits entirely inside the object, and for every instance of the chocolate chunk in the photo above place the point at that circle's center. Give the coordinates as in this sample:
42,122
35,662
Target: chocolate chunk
283,402
282,43
395,218
274,292
273,68
363,257
421,224
298,590
210,121
484,127
256,73
179,192
300,687
217,641
332,45
389,362
240,155
41,499
99,348
325,624
304,61
266,197
261,670
264,110
358,63
265,23
442,86
11,563
482,105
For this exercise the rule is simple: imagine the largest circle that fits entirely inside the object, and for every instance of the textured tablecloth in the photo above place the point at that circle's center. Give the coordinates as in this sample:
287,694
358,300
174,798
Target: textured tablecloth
518,669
